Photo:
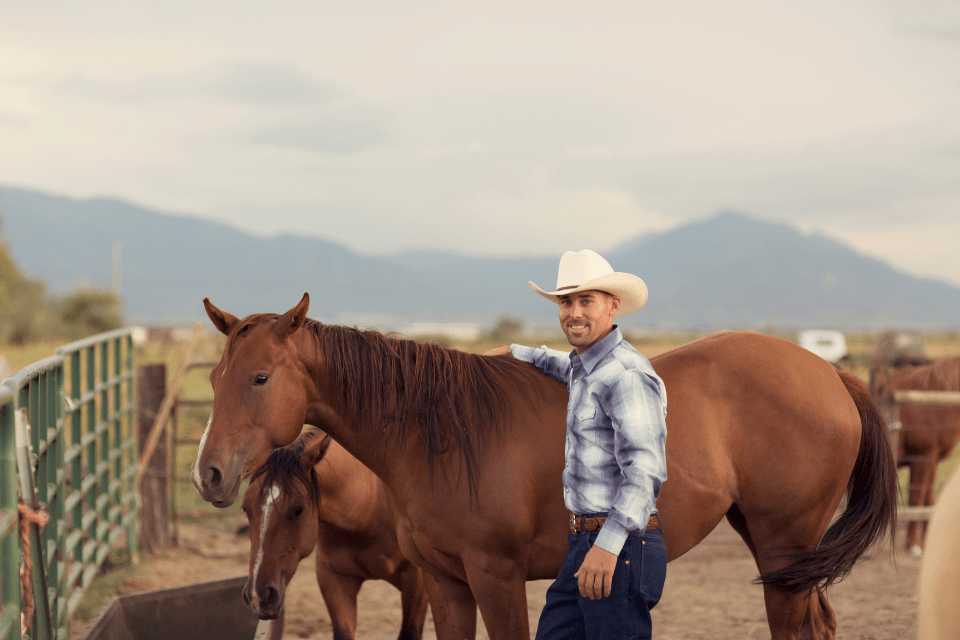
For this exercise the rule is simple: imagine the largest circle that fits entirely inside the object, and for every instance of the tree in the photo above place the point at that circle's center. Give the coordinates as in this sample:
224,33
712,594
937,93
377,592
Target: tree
89,311
506,328
22,302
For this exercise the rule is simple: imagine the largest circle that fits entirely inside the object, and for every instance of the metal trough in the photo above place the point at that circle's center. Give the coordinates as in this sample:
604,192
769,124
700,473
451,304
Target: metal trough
208,610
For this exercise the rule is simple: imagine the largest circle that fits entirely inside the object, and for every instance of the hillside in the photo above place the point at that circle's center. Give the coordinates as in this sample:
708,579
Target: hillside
730,270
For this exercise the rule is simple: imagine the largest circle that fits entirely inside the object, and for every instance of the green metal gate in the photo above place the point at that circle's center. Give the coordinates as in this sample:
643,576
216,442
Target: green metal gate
79,407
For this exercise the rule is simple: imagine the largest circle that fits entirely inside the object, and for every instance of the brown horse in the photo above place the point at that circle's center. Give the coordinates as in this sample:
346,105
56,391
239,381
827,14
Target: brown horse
928,433
311,495
470,449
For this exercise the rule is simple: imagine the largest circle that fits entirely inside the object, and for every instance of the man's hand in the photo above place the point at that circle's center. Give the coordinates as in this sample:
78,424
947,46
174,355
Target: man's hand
498,351
595,576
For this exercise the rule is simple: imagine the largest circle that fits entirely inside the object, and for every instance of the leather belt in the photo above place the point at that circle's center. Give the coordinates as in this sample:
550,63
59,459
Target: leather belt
581,524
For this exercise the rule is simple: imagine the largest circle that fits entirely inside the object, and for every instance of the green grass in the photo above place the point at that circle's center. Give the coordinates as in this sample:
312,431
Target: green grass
19,356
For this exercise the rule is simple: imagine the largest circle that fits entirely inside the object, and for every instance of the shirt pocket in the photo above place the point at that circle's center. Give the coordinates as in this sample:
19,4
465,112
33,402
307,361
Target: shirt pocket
586,415
588,420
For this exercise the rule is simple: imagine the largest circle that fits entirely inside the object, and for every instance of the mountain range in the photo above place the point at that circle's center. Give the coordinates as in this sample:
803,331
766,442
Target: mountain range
727,271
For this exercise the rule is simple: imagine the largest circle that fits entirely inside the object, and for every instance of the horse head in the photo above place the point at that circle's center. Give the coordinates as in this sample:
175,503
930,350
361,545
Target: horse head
260,400
281,504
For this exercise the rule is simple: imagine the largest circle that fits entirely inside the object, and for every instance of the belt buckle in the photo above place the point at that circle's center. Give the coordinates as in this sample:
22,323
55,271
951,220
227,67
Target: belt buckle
573,524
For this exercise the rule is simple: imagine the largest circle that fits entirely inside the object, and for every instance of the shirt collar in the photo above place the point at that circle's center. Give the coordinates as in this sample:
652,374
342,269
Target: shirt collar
592,356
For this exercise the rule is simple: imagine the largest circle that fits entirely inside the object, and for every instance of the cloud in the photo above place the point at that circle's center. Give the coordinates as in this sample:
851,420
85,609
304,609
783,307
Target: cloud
10,120
251,84
338,132
939,21
270,85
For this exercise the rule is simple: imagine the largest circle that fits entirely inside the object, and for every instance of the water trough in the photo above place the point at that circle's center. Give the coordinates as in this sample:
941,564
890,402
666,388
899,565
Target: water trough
208,610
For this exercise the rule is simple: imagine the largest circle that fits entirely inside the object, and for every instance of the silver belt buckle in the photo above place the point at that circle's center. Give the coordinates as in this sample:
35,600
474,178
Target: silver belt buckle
573,524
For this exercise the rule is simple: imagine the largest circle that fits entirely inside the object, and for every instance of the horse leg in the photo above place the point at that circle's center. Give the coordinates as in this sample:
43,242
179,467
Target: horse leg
791,617
413,602
922,472
502,598
453,607
340,595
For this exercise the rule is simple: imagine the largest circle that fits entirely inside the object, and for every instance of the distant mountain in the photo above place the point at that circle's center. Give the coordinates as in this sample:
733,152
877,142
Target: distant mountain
730,270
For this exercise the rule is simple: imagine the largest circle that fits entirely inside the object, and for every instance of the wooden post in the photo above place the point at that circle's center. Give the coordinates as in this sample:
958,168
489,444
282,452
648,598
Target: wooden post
154,505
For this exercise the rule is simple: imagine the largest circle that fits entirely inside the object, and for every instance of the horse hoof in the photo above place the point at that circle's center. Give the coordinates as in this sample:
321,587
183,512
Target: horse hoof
915,551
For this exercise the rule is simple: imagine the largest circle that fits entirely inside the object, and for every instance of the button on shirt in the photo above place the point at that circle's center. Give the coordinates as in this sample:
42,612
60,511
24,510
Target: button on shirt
616,432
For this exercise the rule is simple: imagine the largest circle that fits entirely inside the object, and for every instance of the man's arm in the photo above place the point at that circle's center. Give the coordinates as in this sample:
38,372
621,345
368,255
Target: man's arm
637,411
636,405
555,364
498,351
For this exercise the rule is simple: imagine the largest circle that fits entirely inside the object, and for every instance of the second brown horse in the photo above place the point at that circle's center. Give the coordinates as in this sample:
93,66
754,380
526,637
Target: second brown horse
470,449
314,496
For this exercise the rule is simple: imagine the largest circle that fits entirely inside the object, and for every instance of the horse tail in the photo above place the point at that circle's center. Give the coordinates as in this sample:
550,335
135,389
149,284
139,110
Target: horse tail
871,510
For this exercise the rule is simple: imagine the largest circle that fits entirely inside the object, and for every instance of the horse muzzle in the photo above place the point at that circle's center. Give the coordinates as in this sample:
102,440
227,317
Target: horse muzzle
215,486
267,605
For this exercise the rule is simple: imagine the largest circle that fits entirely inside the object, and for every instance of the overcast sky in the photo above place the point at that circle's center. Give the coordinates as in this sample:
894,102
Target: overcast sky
498,128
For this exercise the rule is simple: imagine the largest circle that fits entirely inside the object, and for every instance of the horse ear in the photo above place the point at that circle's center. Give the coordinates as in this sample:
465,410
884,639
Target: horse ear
293,319
315,449
220,319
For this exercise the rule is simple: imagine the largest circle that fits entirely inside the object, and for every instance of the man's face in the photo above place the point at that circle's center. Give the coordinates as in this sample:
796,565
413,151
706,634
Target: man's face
587,316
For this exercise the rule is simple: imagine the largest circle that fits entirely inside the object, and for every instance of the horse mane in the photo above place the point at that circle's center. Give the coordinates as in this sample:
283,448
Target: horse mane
284,469
942,375
387,383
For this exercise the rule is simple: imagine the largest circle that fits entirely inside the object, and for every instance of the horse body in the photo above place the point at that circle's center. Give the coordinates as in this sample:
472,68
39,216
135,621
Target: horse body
759,431
340,510
928,433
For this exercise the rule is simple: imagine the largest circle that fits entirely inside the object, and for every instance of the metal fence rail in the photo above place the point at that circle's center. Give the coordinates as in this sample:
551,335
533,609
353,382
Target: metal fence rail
79,410
904,397
9,529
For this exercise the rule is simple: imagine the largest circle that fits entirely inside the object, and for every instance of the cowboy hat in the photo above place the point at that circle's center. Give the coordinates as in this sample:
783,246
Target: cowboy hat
587,271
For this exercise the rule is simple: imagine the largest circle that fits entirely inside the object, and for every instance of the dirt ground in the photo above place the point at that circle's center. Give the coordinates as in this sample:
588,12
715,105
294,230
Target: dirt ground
708,593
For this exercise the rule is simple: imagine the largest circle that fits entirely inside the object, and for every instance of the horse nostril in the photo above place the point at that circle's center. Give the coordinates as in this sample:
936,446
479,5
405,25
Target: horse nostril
214,477
271,598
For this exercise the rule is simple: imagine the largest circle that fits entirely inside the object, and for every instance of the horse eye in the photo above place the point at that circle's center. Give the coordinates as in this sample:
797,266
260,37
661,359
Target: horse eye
260,380
297,511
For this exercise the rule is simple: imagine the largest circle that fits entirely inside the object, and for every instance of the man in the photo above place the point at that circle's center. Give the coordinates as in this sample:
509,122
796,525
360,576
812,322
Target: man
615,461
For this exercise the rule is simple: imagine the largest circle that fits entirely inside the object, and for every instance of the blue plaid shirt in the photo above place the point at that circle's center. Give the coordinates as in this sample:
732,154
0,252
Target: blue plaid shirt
616,432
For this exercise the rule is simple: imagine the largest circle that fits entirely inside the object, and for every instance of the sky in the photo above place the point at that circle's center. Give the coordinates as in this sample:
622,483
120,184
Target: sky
498,128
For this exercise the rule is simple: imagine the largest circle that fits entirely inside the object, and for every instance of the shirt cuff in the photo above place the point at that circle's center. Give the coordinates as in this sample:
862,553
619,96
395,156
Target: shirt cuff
611,537
523,352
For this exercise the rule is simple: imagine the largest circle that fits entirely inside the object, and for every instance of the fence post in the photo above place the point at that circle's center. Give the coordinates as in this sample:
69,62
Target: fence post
154,507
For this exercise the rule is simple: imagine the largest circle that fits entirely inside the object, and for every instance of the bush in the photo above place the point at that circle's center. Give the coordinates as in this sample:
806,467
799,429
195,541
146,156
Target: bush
88,312
507,328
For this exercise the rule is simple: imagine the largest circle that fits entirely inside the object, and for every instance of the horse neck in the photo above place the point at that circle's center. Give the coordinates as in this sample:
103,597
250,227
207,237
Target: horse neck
361,441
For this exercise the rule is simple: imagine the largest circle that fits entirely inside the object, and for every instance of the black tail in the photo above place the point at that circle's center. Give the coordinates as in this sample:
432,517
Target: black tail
871,506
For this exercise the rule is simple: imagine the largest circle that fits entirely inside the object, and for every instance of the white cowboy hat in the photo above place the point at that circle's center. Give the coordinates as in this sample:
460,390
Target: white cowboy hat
587,271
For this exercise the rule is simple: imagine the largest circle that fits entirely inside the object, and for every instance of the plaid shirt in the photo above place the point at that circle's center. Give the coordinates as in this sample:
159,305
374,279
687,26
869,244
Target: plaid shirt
616,432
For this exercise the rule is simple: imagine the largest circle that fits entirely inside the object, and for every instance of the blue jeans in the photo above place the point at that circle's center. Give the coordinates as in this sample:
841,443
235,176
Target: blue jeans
625,613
